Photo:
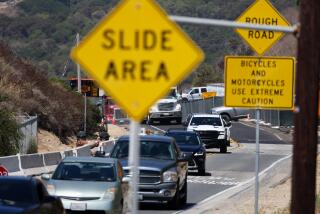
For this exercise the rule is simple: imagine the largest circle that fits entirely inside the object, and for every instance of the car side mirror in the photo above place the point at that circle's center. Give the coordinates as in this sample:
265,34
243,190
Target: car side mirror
228,124
100,154
45,177
185,156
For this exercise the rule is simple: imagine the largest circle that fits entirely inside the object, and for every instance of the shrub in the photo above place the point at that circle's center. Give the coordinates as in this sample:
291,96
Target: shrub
9,133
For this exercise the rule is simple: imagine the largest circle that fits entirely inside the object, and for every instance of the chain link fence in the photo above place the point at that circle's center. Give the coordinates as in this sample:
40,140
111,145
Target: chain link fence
200,106
29,130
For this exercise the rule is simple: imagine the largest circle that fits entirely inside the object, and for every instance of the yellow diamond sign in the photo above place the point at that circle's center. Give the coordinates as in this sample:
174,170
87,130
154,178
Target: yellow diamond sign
261,12
136,54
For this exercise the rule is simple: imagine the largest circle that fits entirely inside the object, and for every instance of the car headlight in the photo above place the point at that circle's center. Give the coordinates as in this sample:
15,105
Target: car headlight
153,109
110,193
170,176
178,107
51,189
199,153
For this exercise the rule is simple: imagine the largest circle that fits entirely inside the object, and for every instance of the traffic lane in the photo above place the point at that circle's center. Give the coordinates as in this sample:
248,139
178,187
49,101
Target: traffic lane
243,133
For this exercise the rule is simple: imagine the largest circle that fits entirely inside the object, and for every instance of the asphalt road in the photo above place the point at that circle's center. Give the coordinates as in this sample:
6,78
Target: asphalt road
226,170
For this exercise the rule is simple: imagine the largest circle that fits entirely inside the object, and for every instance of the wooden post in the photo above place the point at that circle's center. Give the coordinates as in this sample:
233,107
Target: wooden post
306,118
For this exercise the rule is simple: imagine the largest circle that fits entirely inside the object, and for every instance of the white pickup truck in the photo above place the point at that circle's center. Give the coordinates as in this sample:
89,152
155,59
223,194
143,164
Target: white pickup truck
229,113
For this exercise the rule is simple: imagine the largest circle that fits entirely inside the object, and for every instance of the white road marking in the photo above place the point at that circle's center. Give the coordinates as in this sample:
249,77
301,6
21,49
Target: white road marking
278,136
161,130
225,181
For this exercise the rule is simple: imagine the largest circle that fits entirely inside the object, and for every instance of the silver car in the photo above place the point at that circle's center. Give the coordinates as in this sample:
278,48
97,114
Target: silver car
88,183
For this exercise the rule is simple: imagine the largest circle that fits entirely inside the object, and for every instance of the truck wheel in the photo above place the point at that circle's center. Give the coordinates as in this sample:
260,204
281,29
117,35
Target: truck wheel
226,117
185,193
223,149
175,201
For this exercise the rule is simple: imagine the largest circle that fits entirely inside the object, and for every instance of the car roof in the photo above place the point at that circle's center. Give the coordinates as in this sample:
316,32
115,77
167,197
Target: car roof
205,115
90,159
158,138
181,131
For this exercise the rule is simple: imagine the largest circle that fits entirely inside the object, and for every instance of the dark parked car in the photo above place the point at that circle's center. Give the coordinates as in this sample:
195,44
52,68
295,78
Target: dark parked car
189,141
27,195
163,168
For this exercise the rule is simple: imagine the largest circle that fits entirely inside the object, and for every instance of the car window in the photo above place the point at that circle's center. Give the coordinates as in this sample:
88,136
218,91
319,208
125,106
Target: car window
214,121
16,191
203,90
148,149
85,171
195,91
185,138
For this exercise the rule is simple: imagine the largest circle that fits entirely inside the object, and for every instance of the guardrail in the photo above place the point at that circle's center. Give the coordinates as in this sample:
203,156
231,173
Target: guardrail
39,163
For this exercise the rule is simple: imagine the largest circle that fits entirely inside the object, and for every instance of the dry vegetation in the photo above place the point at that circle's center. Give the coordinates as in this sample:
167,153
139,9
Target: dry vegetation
26,90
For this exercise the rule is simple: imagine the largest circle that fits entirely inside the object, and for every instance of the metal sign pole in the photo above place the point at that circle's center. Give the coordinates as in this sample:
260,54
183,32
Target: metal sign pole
78,67
85,113
256,202
134,158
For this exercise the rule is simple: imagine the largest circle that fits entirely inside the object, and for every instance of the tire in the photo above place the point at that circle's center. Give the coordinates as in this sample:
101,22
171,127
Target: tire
183,200
223,149
202,170
175,203
226,117
228,142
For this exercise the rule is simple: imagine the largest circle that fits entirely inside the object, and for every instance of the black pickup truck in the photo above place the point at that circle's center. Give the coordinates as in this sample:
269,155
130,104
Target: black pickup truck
163,168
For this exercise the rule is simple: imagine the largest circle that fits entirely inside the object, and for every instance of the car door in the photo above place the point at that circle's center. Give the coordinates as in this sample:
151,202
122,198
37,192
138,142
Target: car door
195,94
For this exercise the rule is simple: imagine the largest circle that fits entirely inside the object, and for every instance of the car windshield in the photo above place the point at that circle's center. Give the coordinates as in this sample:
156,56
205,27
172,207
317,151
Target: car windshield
12,192
85,171
148,149
185,138
213,121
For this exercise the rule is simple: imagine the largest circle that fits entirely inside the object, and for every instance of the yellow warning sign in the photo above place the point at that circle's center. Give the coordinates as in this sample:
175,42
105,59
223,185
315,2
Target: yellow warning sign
261,12
136,54
259,82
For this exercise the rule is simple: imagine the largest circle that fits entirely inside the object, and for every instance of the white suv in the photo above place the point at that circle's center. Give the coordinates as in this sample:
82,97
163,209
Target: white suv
213,130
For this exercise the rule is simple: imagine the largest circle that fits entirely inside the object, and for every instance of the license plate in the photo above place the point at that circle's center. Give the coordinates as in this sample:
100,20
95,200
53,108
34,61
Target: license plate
78,206
141,197
166,114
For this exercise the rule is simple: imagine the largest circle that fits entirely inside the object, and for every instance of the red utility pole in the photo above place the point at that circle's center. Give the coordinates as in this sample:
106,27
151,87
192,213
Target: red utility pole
306,118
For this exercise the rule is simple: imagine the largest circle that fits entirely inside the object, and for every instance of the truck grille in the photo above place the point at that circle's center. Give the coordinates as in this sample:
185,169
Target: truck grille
148,176
208,135
166,106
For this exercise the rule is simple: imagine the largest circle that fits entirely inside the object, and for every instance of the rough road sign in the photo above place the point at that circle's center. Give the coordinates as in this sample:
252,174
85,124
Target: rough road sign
259,82
136,54
261,12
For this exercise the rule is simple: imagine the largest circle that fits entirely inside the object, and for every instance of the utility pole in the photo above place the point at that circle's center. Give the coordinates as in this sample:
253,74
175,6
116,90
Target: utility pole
78,67
306,118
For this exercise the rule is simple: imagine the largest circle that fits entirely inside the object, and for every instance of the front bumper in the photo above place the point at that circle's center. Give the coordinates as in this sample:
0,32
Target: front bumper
107,206
165,114
214,143
157,192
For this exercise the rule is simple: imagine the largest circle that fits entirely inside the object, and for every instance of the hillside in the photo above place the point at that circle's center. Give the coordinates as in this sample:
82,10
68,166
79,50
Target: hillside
39,26
25,89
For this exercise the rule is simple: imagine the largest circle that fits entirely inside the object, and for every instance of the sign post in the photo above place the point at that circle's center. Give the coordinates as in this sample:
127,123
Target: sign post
260,83
262,12
136,54
3,171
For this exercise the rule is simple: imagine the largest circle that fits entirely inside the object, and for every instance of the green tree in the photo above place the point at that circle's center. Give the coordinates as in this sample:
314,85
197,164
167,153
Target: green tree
9,133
